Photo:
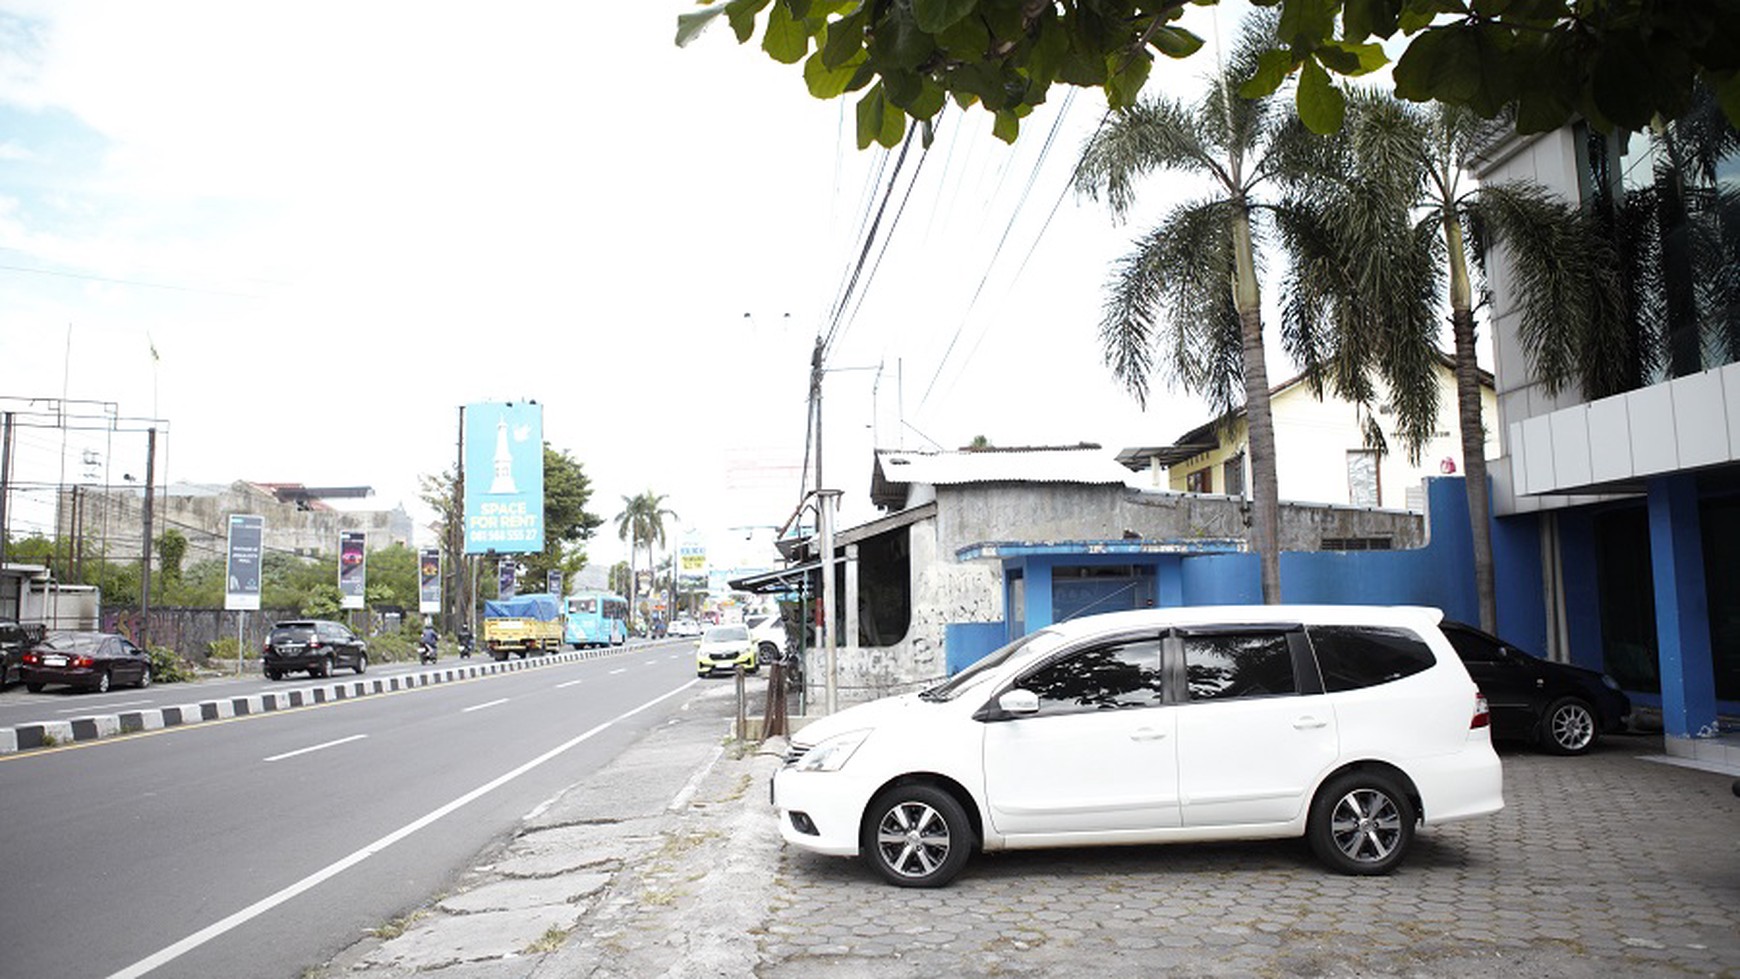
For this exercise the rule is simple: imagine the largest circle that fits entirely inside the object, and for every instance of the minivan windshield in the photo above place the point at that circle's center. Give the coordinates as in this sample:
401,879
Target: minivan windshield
955,685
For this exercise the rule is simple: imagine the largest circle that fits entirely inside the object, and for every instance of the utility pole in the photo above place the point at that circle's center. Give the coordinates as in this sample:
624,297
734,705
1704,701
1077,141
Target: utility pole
5,481
825,503
145,565
456,615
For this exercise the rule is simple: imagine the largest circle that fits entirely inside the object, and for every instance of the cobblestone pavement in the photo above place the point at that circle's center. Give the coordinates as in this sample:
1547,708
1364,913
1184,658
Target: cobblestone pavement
1604,865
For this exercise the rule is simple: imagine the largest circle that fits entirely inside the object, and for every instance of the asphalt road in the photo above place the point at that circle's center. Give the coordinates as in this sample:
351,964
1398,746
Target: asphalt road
263,845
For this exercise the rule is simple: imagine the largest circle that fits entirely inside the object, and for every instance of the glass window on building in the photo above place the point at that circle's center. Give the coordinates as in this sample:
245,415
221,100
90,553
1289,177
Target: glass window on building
1200,481
1627,590
1233,475
1721,525
1362,478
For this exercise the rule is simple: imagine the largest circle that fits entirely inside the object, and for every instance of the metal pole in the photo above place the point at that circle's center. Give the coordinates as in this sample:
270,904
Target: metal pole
825,520
850,628
241,640
145,546
5,482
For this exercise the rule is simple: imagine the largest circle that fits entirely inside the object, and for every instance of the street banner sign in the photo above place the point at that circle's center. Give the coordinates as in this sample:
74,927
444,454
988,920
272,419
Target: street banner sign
507,577
242,566
352,568
691,563
504,478
553,583
429,580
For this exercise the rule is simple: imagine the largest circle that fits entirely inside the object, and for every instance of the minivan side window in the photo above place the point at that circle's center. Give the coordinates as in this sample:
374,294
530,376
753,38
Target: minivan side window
1354,657
1106,677
1224,666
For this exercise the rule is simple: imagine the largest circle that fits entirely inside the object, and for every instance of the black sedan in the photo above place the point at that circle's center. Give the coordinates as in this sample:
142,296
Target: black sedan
1562,708
89,660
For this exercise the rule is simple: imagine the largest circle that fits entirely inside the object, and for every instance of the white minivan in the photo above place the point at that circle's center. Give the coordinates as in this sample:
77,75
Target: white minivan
1347,725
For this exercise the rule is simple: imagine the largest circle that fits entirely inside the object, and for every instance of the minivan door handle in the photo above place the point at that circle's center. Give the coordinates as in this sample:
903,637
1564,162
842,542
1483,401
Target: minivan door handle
1147,734
1309,723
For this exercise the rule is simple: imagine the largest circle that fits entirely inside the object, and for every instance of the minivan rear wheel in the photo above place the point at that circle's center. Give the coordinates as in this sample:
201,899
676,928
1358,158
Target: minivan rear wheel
916,836
1361,823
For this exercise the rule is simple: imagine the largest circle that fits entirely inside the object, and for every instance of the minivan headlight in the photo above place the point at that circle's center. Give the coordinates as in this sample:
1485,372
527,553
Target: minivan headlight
833,753
1609,682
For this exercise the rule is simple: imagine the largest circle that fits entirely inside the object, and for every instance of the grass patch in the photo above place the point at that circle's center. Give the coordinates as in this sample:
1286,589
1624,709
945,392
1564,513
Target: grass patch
396,927
551,940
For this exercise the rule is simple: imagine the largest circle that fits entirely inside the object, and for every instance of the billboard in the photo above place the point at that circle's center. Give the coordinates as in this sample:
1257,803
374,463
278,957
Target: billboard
352,568
507,577
429,580
553,582
692,564
504,478
242,566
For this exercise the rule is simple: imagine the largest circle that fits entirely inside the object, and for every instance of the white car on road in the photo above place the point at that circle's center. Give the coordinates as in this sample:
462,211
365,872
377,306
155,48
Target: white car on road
1348,725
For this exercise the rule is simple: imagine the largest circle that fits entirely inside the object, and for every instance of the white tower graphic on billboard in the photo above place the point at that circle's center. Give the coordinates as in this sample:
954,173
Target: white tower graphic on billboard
504,461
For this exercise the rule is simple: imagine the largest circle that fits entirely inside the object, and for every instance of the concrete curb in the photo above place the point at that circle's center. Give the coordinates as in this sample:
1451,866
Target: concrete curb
46,734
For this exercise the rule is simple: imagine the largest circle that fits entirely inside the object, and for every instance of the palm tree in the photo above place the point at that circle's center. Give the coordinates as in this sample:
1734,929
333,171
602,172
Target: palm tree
1186,302
641,522
1567,301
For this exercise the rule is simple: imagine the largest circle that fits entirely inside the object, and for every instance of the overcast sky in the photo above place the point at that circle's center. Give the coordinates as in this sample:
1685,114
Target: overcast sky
337,222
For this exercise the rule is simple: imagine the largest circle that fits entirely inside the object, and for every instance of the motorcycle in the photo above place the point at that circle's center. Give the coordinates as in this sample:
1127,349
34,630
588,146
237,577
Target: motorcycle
426,652
465,645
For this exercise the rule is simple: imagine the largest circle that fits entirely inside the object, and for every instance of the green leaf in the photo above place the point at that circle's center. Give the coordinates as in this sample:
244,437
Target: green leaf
1623,82
1273,67
897,40
1129,74
936,16
928,103
1045,58
1361,19
1345,58
827,82
1321,104
1417,15
1007,126
787,40
901,87
1175,42
691,24
965,40
742,13
1457,63
870,111
1728,96
842,40
1306,23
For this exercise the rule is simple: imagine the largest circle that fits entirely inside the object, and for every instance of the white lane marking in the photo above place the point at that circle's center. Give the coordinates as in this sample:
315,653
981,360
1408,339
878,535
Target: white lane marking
252,911
568,684
482,706
87,710
304,751
620,669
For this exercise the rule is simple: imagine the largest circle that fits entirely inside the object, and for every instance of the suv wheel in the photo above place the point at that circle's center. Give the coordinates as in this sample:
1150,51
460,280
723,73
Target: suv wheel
1361,823
145,678
274,675
916,836
103,682
362,663
324,669
1568,727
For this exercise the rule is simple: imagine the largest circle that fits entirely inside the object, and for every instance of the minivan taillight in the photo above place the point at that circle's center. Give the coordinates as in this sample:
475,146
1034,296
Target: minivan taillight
1482,717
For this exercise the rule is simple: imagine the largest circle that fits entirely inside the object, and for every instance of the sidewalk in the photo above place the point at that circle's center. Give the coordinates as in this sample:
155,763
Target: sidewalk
669,864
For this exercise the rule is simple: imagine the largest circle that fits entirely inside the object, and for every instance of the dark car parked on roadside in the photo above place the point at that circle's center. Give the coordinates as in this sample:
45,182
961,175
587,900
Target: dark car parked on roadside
312,645
1562,708
13,641
90,660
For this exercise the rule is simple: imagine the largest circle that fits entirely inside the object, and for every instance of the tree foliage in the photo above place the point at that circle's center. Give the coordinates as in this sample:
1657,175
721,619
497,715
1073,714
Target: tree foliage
1614,62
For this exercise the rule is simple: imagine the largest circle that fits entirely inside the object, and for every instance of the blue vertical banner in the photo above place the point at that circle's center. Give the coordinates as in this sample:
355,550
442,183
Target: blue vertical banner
504,477
429,580
352,568
507,578
242,566
553,582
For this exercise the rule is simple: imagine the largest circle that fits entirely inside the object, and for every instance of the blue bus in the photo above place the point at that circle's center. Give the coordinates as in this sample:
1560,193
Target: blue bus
596,618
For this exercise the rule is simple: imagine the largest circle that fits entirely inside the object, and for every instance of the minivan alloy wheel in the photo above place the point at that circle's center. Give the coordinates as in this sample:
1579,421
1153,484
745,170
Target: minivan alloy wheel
916,836
1361,823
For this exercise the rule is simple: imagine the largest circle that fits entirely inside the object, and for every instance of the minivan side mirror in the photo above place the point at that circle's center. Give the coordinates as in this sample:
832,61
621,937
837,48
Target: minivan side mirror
1019,702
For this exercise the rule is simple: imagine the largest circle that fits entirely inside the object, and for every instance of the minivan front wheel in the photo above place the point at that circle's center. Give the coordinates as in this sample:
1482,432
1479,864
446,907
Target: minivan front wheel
1361,823
916,836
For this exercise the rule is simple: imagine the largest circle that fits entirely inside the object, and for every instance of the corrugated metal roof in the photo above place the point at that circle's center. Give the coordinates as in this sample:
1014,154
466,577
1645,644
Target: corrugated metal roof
1087,463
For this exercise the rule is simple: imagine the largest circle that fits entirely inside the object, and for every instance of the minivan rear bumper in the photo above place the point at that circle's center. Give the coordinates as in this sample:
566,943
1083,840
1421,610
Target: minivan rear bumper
1459,786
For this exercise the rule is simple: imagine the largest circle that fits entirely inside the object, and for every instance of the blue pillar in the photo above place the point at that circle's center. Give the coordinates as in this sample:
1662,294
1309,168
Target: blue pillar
1039,613
1682,614
1169,576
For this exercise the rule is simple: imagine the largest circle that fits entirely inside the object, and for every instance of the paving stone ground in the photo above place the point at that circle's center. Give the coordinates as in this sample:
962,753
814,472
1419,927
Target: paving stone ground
1605,865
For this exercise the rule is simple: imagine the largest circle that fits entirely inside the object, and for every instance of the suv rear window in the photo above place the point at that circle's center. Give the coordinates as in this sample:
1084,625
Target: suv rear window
1351,657
298,632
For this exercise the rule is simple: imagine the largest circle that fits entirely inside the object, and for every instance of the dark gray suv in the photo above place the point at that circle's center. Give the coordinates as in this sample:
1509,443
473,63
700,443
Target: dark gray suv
314,645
